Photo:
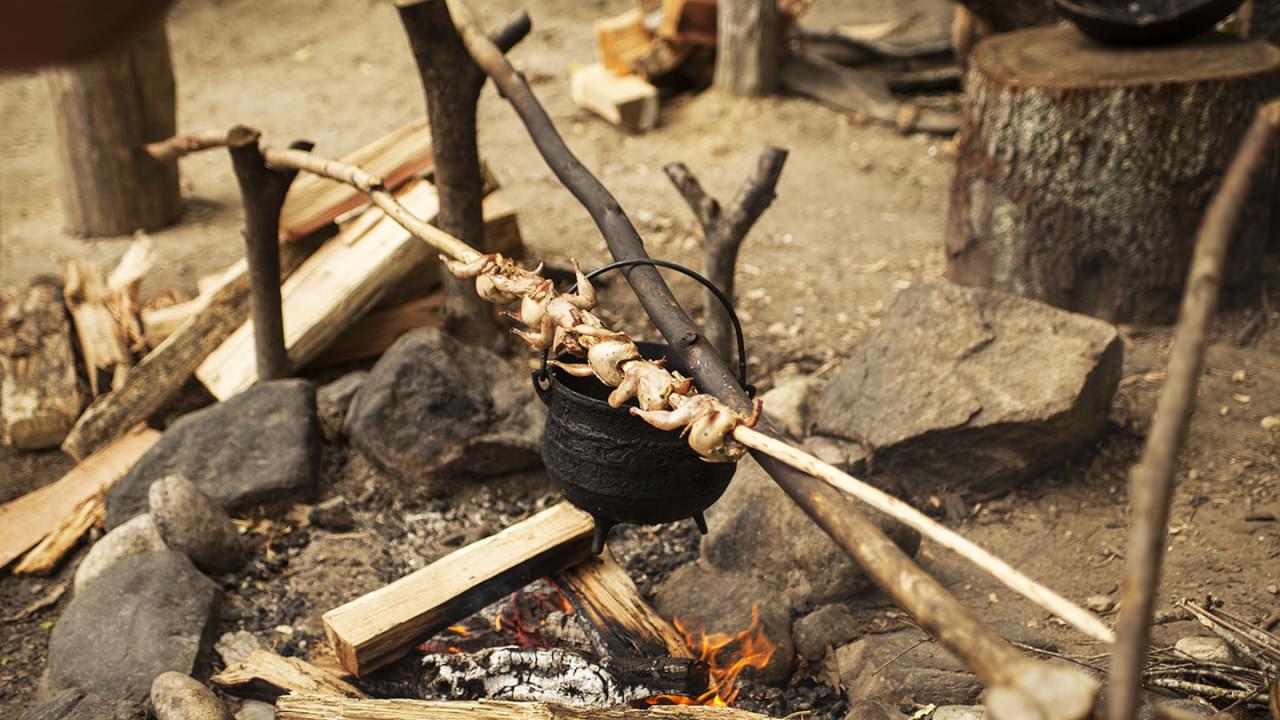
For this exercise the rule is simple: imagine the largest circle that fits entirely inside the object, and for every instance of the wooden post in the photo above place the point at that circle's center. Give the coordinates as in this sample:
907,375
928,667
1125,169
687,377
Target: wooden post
452,83
747,47
1083,169
262,192
105,111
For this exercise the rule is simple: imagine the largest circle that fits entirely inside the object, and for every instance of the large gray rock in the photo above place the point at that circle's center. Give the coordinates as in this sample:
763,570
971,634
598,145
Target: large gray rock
138,535
194,525
333,399
261,446
146,615
433,405
175,696
828,627
712,601
972,389
74,704
756,529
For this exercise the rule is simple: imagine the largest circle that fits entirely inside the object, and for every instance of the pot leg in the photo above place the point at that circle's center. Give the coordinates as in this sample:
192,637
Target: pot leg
603,526
701,521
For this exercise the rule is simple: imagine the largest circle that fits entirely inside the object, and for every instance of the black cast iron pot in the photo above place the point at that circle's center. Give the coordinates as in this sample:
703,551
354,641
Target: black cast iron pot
1145,22
614,465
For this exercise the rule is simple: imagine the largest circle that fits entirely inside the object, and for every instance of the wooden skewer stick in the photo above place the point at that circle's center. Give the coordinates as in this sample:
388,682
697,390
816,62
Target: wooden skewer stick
309,707
1151,482
1076,616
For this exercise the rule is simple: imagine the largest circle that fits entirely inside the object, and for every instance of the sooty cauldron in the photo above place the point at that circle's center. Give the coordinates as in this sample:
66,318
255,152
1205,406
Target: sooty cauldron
1145,22
616,466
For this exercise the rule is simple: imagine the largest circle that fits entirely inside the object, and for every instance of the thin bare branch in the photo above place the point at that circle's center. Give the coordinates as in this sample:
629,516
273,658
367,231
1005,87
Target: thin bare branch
1151,483
183,145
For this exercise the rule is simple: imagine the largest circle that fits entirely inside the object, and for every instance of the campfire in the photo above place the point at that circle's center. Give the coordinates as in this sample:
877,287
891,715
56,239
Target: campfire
726,657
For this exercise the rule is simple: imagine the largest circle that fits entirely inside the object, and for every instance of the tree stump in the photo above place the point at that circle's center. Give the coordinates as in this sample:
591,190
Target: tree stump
106,110
747,56
1083,170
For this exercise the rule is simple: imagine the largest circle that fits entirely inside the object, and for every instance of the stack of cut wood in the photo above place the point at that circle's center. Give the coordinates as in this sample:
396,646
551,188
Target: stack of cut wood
71,341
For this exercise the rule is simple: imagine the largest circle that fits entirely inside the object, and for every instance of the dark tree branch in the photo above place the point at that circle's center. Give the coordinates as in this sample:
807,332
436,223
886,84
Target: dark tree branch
1151,482
724,231
451,82
262,191
976,644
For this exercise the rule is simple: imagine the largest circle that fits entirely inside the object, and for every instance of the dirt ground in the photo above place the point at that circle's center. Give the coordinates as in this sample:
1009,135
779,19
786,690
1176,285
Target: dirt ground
859,216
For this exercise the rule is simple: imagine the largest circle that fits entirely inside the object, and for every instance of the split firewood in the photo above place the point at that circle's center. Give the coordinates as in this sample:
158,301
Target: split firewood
45,556
621,622
40,395
328,292
376,332
626,101
689,22
310,707
621,40
26,521
101,345
375,629
557,676
264,675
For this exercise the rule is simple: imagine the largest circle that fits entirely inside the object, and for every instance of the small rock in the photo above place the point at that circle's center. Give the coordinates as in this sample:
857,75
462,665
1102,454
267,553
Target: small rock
332,514
175,696
707,600
1205,648
959,712
830,626
873,710
261,446
233,647
1099,603
148,614
433,405
333,399
75,704
134,537
1156,708
906,663
788,403
756,529
972,389
254,710
193,524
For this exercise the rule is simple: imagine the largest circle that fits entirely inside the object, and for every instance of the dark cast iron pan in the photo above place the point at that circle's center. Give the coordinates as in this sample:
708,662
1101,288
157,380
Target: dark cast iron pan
1145,22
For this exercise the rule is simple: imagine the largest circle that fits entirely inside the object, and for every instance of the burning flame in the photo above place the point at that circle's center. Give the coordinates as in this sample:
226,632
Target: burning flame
726,656
459,630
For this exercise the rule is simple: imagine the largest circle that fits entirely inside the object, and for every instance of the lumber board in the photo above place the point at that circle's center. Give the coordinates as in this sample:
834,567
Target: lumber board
40,394
604,594
329,291
621,40
26,520
375,629
626,101
84,287
312,707
45,556
397,157
375,332
266,675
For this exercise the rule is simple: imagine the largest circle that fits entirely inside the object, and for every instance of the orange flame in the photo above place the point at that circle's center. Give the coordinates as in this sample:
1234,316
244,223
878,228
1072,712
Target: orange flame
459,630
727,656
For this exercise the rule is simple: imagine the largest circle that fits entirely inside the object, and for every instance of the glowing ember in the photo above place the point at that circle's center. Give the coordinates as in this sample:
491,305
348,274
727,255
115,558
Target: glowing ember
727,656
459,630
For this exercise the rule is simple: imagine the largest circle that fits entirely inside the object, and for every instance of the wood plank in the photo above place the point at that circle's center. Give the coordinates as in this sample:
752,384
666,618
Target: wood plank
25,521
84,287
375,332
45,556
314,202
375,629
265,675
604,594
40,394
621,40
315,707
626,101
328,292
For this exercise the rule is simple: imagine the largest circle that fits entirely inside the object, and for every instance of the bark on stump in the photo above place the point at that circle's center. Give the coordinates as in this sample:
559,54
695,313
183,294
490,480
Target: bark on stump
747,56
106,110
1083,170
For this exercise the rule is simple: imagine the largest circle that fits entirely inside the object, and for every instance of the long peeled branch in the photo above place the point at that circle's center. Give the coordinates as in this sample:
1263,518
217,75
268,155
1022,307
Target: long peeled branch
1151,483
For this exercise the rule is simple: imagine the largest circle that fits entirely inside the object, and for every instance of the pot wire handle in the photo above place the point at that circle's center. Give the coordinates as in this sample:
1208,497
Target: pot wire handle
542,374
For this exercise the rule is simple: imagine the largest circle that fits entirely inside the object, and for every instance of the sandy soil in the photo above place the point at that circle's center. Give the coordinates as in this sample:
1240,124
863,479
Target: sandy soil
859,215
